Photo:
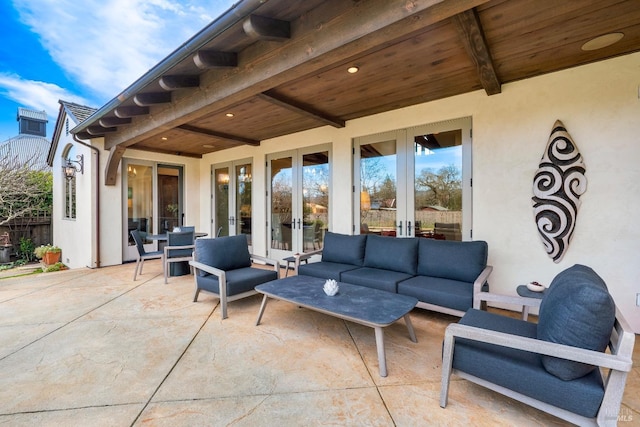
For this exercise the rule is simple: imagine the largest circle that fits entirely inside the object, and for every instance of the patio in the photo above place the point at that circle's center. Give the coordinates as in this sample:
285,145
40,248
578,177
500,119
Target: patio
92,347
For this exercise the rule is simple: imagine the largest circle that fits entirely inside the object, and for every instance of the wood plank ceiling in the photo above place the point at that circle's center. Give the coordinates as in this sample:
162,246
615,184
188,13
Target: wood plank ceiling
282,68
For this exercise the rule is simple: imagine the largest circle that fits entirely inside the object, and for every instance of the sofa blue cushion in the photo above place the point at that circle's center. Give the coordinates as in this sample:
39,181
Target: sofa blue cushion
224,253
343,249
238,281
452,260
448,293
385,280
324,270
390,253
522,371
577,310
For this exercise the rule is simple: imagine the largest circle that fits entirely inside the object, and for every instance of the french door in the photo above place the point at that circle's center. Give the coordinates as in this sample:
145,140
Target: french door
298,200
415,181
232,199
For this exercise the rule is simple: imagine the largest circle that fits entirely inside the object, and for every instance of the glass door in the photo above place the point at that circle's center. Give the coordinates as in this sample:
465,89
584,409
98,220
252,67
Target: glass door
232,199
377,170
139,212
170,211
298,200
415,181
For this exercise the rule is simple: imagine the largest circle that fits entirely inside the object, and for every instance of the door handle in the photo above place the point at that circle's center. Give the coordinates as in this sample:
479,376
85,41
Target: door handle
400,229
408,228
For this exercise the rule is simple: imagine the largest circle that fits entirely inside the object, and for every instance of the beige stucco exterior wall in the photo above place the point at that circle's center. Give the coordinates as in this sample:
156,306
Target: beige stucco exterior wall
74,235
598,103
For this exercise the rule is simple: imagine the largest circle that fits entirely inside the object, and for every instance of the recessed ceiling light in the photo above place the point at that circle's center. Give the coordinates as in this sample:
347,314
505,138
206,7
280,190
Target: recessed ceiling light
602,41
353,70
229,114
164,138
207,146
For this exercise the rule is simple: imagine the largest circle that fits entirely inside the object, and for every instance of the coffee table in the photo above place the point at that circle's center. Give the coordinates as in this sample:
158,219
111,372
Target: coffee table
365,306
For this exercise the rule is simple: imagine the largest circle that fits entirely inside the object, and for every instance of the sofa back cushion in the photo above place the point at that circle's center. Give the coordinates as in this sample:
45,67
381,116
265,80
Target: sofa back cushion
389,253
343,248
463,261
224,253
577,310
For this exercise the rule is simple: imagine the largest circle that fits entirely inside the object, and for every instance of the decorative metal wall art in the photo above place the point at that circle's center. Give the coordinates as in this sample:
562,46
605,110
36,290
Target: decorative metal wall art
557,186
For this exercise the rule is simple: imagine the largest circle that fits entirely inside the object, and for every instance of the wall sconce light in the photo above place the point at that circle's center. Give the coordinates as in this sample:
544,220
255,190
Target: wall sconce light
70,169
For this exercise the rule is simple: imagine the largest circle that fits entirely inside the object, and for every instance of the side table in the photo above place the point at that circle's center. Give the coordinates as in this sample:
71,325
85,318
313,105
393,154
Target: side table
291,260
523,291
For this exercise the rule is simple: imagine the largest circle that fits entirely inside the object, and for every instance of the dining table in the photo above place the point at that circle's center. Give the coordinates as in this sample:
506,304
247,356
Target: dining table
175,268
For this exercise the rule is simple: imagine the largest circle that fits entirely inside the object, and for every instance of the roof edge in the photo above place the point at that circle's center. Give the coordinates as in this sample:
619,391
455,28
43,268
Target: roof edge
232,16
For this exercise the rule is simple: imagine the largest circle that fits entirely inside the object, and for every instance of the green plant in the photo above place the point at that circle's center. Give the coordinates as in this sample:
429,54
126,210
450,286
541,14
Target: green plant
25,252
41,250
58,266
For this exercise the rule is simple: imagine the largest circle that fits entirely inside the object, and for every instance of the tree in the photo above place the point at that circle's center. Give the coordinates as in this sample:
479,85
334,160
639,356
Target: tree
443,188
23,190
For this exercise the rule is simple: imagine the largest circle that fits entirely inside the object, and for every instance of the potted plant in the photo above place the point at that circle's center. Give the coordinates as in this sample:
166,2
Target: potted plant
49,254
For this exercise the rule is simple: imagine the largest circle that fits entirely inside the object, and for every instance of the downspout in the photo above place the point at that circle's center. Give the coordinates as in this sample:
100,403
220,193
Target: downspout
97,151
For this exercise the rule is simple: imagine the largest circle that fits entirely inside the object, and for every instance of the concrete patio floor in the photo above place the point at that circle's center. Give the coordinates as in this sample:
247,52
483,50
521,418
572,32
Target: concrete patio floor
93,348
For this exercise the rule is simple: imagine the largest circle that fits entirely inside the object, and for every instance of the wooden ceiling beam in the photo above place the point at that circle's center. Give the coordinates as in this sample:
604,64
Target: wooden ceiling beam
311,51
114,121
264,28
152,98
130,111
210,59
472,36
178,82
290,105
220,135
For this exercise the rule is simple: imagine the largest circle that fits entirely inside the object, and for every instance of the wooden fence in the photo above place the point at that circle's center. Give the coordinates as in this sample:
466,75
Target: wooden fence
35,226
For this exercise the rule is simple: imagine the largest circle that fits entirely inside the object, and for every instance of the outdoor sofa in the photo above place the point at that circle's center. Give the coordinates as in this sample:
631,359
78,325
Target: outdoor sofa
443,275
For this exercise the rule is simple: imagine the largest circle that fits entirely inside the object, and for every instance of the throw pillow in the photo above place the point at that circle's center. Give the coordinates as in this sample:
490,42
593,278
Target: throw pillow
577,311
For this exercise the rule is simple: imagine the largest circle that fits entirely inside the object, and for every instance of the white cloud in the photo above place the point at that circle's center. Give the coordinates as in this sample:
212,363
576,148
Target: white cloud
105,45
36,95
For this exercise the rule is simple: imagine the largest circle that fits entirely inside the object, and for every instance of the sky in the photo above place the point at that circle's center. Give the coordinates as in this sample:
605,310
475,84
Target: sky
86,51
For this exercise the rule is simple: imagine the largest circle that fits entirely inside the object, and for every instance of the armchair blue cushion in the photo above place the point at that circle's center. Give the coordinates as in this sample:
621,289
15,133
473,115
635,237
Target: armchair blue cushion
522,371
577,310
343,249
224,253
223,267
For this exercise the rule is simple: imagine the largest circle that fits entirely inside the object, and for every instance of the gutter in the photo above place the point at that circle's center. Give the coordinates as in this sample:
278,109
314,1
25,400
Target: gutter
97,199
235,14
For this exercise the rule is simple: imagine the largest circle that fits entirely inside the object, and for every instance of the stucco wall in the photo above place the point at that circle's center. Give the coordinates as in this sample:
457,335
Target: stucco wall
599,105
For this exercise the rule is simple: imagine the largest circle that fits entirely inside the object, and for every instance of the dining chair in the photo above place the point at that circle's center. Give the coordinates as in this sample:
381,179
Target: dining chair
179,248
142,255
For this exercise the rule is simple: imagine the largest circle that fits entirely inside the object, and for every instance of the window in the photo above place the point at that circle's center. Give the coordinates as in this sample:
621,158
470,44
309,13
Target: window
69,197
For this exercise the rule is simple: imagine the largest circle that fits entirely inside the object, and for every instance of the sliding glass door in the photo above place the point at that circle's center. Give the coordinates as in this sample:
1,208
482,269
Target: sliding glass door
153,202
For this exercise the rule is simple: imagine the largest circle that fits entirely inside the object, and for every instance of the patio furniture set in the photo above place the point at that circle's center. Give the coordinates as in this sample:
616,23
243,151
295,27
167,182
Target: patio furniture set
573,363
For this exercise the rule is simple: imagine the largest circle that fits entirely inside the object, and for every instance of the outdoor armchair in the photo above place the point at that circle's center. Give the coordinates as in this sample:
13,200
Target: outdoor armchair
223,267
558,365
179,248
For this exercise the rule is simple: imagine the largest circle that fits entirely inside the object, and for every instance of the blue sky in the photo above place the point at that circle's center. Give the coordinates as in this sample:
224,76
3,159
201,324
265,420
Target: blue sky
86,51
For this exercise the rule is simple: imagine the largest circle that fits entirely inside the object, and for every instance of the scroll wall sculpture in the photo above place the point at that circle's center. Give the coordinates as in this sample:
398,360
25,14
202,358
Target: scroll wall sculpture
557,186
